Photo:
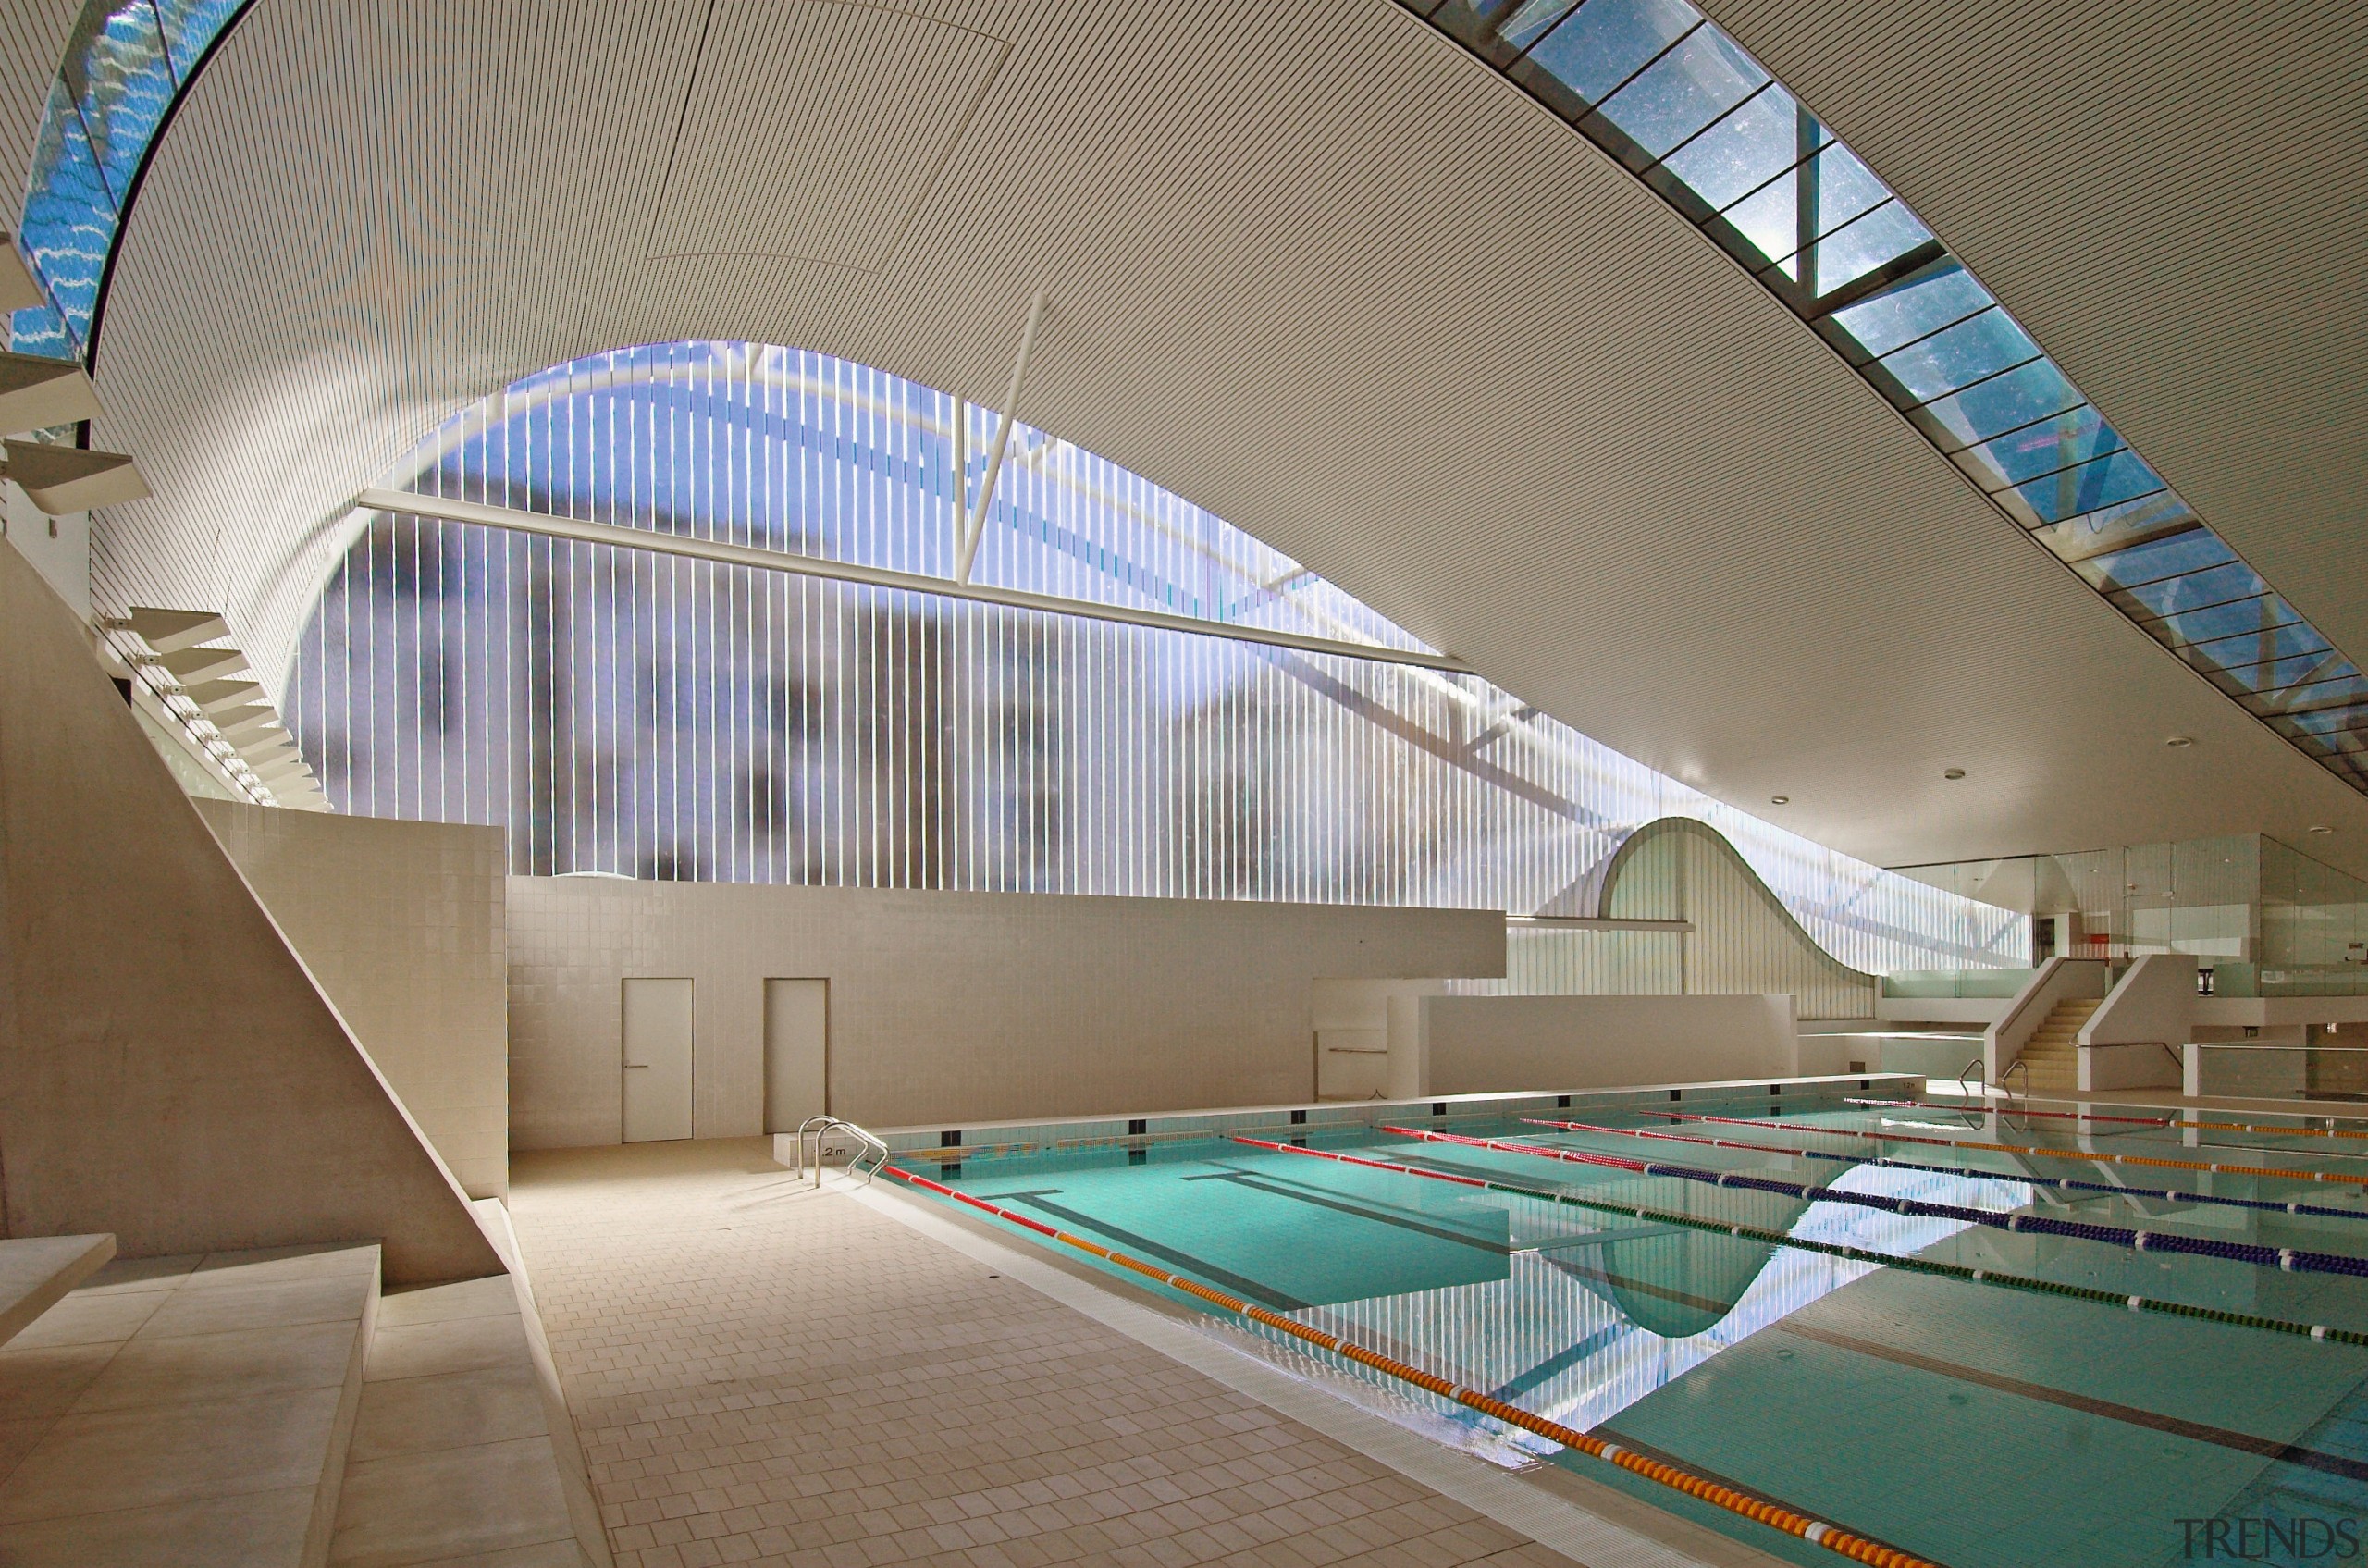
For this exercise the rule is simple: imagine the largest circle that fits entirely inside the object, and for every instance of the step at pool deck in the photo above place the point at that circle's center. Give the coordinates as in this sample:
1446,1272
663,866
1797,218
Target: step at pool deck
37,1271
191,1411
452,1456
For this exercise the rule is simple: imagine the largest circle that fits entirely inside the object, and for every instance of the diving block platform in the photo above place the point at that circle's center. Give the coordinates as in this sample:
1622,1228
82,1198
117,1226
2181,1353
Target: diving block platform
37,1271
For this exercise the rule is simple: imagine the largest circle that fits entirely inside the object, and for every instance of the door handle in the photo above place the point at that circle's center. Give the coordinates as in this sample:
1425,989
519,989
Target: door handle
643,1065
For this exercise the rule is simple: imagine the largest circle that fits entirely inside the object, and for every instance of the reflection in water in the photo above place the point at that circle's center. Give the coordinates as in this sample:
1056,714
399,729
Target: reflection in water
1594,1316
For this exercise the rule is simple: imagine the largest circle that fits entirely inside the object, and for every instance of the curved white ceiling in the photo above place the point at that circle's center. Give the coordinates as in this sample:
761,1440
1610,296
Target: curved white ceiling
2173,197
1316,270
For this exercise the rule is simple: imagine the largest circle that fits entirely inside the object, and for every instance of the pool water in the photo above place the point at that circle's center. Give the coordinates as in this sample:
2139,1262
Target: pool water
1970,1422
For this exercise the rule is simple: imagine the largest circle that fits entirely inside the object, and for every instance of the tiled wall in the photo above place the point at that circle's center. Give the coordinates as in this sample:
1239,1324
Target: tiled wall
960,1006
402,926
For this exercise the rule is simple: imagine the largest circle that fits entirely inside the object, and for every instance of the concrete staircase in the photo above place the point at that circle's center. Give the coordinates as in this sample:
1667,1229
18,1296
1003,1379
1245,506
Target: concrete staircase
2052,1053
186,1410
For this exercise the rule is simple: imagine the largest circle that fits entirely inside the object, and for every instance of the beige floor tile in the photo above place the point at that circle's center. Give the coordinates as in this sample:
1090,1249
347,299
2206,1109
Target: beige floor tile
47,1379
731,1406
455,1410
549,1554
18,1437
256,1530
280,1265
466,1344
121,1275
172,1368
83,1319
419,1507
141,1458
492,1297
258,1304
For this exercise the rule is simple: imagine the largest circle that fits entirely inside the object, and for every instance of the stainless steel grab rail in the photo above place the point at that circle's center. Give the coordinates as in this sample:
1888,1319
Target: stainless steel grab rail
819,1126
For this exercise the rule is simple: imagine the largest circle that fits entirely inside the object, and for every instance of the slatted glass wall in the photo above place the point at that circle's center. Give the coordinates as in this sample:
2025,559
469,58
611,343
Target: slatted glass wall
657,717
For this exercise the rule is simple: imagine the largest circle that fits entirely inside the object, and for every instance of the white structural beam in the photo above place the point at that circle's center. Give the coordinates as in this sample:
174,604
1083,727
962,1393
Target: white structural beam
726,554
975,526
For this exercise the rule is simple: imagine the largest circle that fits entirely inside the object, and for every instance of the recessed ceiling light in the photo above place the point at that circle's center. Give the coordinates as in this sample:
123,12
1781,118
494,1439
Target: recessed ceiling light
2320,827
2180,740
1953,773
1780,801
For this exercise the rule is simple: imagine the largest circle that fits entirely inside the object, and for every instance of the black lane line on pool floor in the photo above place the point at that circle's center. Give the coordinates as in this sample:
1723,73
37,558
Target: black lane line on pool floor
1266,1296
2195,1431
1341,1206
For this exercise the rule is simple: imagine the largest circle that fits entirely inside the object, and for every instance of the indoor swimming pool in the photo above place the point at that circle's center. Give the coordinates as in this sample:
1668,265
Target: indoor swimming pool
1977,1340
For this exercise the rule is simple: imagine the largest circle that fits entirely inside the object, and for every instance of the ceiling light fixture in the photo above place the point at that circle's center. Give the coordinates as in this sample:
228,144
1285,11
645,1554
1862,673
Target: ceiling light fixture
2320,827
1952,773
1780,801
2177,741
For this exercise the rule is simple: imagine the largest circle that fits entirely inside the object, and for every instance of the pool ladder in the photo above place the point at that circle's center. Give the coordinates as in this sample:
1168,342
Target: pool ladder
819,1126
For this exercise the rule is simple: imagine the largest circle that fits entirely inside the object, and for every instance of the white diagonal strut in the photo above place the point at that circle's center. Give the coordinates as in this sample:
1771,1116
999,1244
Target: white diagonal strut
977,524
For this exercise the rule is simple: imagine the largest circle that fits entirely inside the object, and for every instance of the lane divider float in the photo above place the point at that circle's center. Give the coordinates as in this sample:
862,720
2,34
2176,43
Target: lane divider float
2043,1153
2174,1194
2291,1259
2142,1121
1776,1516
1829,1249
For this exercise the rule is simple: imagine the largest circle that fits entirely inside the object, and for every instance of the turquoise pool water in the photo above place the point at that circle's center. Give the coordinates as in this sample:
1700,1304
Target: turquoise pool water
1972,1422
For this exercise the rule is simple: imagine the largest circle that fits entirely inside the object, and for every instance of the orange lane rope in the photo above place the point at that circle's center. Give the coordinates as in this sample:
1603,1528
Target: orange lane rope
2015,1149
1818,1532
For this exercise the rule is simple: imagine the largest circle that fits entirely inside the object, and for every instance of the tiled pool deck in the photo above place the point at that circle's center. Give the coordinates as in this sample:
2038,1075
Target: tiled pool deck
764,1374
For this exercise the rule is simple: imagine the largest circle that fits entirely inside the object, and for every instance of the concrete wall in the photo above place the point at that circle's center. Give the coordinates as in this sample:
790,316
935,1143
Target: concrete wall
401,924
948,1006
1487,1044
169,1072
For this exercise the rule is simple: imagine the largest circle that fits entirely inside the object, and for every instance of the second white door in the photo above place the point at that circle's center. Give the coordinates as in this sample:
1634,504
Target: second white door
797,1051
658,1034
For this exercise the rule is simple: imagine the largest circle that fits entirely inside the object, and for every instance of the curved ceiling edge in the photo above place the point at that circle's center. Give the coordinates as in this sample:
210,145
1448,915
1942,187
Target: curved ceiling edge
1667,96
127,66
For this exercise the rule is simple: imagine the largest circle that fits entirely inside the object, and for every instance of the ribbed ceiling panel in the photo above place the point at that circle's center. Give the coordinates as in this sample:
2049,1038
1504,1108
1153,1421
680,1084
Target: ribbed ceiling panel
32,40
1314,269
2173,198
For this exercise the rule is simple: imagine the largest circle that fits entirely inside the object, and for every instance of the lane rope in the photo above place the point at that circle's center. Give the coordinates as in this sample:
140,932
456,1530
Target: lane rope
2173,1194
2291,1259
1820,1532
2169,1123
1836,1249
2021,1148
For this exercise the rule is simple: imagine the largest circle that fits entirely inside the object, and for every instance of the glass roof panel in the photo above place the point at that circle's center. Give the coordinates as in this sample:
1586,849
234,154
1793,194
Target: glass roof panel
2074,436
2194,550
1683,91
2261,659
1913,308
1605,42
1863,245
1753,145
2105,481
2245,617
2175,596
122,82
2003,402
2337,691
1979,346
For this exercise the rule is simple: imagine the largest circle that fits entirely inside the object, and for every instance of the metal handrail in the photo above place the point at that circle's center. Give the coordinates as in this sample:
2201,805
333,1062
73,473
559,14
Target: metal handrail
820,1126
1968,1073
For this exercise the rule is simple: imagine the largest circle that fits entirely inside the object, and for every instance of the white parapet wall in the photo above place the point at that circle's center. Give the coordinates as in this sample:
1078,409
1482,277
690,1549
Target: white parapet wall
1491,1044
2135,1037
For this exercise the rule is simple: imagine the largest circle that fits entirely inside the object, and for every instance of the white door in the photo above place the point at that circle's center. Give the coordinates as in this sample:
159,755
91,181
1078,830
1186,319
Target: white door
658,1059
797,1051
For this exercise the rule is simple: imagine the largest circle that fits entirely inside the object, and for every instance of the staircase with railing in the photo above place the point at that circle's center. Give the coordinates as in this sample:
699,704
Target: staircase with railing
2051,1057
